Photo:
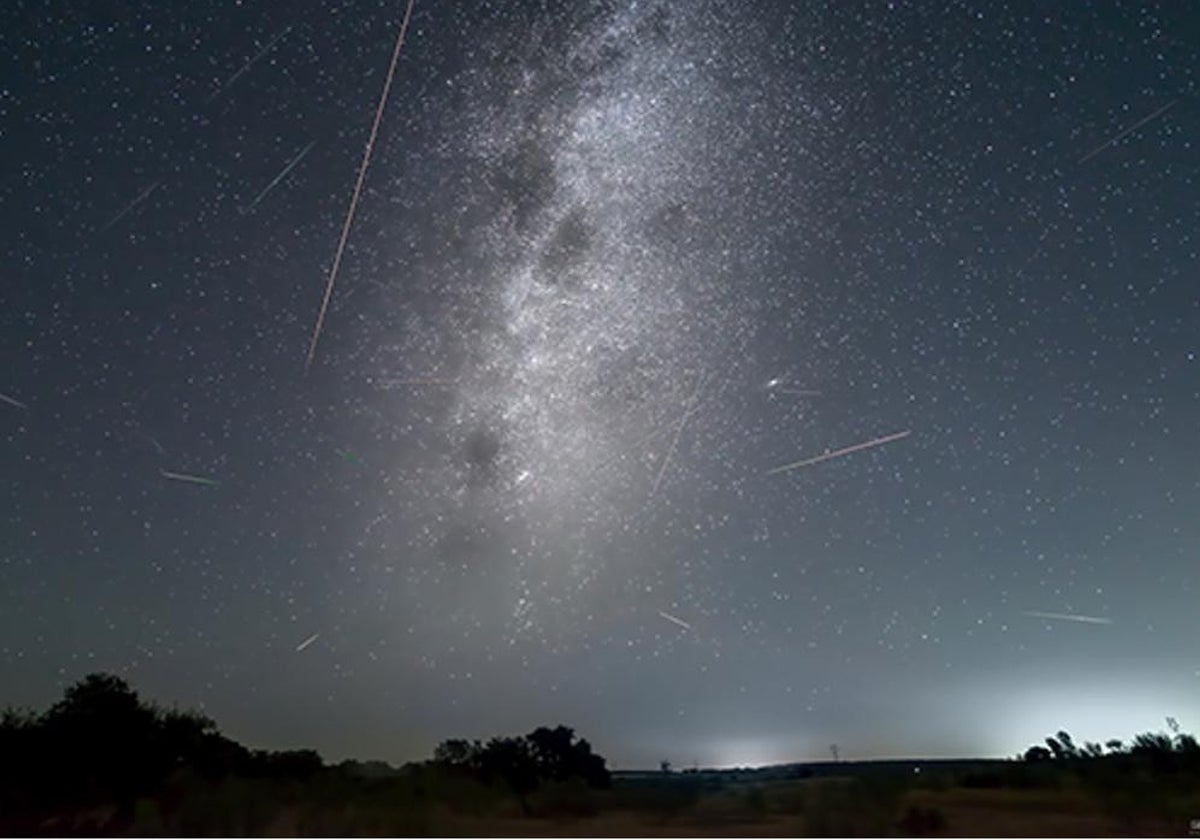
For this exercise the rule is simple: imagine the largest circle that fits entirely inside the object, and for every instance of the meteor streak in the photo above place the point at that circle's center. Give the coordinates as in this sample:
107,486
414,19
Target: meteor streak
1127,131
11,401
277,178
191,479
1084,619
362,174
142,196
249,64
307,642
675,620
349,456
678,431
858,447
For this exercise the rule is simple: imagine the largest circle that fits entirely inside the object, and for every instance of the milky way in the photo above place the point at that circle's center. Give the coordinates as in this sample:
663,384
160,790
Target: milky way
608,304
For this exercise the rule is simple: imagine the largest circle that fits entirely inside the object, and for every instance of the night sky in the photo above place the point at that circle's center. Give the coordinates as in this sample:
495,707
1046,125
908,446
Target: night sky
613,264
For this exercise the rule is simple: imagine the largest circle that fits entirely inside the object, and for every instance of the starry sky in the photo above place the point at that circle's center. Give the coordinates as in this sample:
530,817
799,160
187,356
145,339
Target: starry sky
614,264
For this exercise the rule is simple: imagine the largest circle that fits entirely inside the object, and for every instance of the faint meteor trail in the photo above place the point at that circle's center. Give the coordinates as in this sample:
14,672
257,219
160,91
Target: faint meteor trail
678,431
858,447
248,64
307,642
11,401
348,456
277,179
1127,132
362,174
659,431
142,196
1084,619
675,620
191,479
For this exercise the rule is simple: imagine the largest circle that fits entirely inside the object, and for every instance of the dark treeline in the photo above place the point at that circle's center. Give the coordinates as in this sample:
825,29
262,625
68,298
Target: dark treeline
101,757
103,761
101,744
1162,752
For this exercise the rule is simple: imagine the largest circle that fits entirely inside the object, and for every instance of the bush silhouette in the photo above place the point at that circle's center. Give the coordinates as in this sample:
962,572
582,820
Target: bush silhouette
101,747
1153,751
524,763
1038,753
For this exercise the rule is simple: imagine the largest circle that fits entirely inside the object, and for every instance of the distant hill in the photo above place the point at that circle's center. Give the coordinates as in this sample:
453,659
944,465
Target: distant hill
822,769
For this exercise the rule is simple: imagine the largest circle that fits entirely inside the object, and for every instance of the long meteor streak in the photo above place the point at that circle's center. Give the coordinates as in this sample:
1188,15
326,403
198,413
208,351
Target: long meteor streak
362,174
675,620
1127,132
678,431
191,479
291,165
858,447
307,642
249,64
1085,619
142,196
11,401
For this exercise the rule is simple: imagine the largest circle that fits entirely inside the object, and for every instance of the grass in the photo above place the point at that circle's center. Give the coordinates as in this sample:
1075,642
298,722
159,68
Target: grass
432,802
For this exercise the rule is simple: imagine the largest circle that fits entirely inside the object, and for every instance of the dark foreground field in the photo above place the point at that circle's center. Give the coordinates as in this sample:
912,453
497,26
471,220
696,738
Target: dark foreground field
1009,799
104,762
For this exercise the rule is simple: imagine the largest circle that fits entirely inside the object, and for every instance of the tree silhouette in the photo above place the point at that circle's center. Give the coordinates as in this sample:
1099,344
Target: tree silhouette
1068,745
553,751
1187,745
1056,747
293,765
511,761
104,741
101,745
1151,743
558,755
522,763
1153,750
458,752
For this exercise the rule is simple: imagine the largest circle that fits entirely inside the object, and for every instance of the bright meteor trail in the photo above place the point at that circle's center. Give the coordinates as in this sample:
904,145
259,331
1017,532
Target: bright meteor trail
675,620
1084,619
191,479
362,174
858,447
283,174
